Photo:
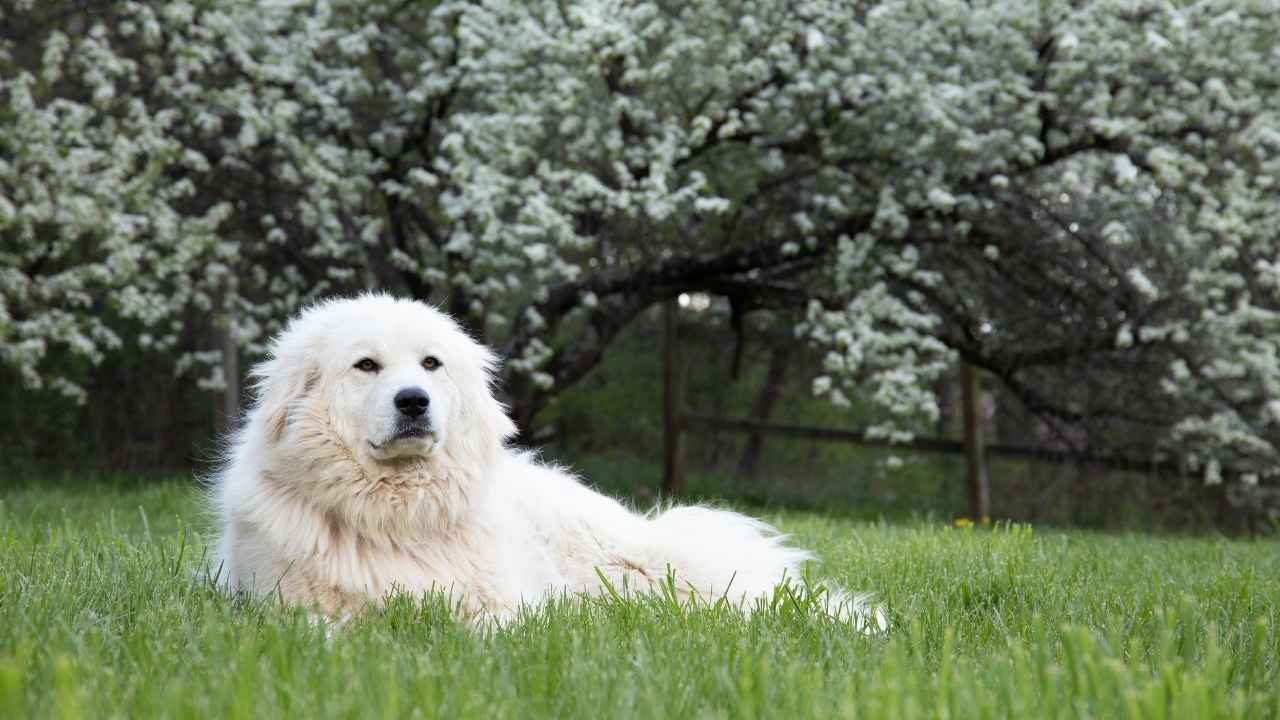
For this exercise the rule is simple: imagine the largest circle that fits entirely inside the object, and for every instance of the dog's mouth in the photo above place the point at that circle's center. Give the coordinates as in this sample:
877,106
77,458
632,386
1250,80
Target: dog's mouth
403,440
412,432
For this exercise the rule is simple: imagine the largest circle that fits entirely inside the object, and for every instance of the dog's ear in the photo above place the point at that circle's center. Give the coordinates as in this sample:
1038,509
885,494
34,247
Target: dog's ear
280,383
483,419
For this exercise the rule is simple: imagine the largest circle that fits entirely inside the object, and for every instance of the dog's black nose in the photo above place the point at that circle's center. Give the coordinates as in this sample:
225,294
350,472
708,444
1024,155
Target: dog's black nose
412,402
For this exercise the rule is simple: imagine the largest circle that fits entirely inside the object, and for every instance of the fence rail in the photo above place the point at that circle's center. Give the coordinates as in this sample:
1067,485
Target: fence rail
676,421
931,445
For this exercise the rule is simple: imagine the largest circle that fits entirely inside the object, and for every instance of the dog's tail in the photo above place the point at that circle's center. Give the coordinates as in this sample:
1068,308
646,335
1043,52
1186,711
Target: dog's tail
718,553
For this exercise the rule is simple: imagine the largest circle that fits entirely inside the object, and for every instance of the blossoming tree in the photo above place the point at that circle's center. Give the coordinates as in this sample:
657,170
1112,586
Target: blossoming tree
1076,196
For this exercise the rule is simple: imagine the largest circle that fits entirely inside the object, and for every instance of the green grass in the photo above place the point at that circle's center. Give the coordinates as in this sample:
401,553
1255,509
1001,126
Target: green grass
102,615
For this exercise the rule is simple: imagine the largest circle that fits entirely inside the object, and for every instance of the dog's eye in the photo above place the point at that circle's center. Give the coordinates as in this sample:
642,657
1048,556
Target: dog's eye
368,365
431,362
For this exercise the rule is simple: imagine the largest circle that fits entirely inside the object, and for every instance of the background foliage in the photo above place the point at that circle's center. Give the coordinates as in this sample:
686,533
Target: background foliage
1077,197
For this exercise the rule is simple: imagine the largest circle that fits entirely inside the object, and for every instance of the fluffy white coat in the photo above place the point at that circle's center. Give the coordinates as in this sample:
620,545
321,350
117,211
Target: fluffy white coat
333,497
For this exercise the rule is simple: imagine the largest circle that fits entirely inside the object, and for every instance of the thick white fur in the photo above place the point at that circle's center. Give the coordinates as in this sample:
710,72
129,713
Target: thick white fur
317,505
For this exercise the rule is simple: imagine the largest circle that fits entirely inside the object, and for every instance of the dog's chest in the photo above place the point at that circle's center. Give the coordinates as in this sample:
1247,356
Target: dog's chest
377,569
465,565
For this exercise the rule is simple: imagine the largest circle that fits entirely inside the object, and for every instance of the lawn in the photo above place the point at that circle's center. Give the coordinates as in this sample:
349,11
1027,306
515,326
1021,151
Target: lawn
102,614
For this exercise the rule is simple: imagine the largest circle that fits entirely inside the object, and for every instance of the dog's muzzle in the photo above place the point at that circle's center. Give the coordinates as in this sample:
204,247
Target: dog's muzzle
408,434
413,431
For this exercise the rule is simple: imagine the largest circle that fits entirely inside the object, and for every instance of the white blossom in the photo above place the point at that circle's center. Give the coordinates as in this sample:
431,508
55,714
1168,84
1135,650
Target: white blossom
229,161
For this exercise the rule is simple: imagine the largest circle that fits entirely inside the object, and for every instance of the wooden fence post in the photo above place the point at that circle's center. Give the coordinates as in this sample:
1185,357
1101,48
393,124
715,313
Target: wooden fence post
227,405
672,469
974,448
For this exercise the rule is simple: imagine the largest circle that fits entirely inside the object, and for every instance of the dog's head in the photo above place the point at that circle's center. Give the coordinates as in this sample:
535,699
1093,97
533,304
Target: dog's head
389,380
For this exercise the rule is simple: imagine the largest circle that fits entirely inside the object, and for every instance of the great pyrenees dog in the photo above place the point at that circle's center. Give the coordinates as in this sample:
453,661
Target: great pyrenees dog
374,460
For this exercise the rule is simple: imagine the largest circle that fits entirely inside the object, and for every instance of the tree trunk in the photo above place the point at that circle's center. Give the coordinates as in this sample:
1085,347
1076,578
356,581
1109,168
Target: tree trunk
779,358
716,443
672,460
975,451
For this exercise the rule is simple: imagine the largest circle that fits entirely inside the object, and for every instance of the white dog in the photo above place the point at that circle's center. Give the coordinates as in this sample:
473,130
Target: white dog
374,460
